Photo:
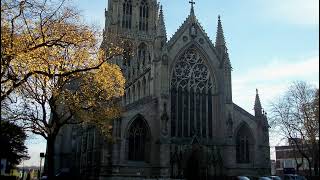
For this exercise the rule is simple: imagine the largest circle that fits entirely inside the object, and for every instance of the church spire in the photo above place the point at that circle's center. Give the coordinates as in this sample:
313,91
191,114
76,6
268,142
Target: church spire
257,105
220,36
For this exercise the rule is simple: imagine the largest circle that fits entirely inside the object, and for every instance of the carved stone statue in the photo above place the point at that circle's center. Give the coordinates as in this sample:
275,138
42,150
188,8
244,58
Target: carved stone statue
229,125
164,120
193,31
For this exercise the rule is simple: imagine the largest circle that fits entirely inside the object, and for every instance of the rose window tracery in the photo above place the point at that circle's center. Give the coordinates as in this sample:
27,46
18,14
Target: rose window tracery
190,69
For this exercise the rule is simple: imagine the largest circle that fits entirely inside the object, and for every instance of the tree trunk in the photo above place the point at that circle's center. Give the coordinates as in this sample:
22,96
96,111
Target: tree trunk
316,159
50,155
310,167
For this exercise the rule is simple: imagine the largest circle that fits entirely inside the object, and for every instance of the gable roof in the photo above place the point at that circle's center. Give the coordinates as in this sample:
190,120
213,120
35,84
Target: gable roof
190,20
244,112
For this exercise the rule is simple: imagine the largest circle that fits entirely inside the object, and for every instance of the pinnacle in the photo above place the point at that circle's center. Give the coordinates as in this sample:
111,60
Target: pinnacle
161,29
257,104
220,41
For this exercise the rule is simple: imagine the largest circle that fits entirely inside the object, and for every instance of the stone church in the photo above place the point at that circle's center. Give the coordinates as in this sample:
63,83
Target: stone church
180,121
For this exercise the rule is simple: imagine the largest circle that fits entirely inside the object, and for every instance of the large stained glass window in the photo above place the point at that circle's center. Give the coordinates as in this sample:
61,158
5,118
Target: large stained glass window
191,96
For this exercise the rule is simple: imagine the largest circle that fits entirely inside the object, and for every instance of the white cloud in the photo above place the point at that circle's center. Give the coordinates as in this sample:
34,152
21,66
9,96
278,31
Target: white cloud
293,11
273,79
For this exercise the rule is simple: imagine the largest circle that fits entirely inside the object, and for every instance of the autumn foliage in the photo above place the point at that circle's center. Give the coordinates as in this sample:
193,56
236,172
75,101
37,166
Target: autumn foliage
53,71
46,38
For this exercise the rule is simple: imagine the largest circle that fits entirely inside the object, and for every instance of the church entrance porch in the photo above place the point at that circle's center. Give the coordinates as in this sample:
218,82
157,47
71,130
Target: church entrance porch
195,161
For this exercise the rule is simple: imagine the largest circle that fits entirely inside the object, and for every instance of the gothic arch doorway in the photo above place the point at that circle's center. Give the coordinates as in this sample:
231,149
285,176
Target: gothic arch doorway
138,139
193,166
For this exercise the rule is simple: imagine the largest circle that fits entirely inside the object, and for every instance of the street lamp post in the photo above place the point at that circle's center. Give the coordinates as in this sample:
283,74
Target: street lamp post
41,157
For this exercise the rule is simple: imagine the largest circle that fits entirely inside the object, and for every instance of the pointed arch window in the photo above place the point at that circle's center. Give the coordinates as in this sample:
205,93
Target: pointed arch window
138,140
127,14
244,144
191,96
144,15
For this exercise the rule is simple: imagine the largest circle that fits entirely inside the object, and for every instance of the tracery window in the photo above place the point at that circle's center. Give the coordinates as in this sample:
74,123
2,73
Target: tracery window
144,15
138,135
243,144
191,96
127,14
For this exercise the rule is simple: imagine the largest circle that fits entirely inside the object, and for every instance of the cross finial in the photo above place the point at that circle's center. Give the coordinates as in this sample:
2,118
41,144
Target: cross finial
192,3
192,9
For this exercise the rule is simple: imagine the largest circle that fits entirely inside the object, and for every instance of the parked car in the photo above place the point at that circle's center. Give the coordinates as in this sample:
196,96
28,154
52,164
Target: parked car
275,178
242,178
264,178
44,178
293,177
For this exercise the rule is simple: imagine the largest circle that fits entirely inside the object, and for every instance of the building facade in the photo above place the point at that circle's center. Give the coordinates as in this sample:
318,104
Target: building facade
180,121
289,160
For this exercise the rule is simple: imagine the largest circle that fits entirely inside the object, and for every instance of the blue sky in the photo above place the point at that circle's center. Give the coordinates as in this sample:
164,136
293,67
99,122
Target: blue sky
271,43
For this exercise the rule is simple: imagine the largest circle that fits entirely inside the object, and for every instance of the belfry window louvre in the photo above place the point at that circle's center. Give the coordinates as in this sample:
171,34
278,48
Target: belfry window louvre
127,14
144,15
191,96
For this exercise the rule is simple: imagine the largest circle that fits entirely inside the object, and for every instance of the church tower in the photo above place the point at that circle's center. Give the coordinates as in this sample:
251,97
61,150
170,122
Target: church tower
139,25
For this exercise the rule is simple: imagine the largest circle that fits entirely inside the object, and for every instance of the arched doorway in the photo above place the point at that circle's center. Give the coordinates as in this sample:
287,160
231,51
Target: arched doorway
192,170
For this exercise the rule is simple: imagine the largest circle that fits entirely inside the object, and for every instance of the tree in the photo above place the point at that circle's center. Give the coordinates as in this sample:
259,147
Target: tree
296,113
12,139
53,65
45,38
